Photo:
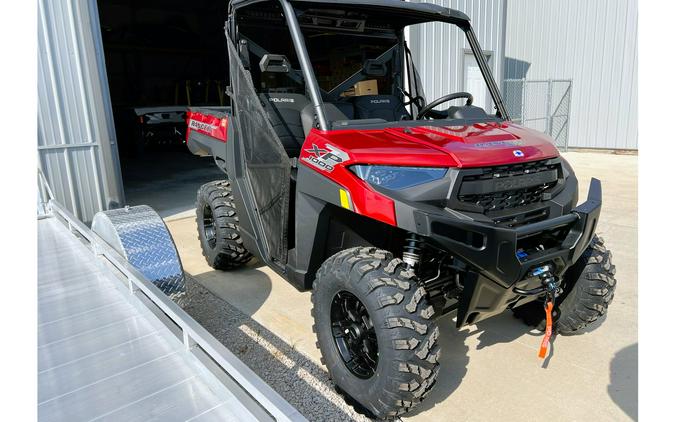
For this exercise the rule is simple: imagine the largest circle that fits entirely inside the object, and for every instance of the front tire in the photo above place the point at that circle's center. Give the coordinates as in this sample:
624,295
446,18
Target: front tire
588,290
368,295
218,227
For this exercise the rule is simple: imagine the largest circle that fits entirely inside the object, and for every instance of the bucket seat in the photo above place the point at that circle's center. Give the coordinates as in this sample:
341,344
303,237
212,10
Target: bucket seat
284,111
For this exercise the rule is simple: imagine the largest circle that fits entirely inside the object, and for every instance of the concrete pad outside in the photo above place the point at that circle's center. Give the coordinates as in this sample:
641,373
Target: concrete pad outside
490,370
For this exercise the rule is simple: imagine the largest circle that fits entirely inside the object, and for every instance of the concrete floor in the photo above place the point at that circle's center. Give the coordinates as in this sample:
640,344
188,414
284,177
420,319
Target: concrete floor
489,370
167,180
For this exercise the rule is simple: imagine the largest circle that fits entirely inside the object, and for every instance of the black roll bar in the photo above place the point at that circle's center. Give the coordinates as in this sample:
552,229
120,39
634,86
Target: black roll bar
487,74
305,65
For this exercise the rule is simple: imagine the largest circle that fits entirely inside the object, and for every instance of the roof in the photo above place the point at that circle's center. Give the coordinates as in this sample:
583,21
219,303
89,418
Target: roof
404,10
398,5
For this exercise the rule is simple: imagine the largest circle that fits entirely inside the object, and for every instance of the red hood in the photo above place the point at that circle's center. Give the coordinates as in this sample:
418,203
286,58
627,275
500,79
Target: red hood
484,144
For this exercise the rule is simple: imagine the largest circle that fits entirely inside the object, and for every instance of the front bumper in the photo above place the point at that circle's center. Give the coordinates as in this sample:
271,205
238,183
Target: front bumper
494,251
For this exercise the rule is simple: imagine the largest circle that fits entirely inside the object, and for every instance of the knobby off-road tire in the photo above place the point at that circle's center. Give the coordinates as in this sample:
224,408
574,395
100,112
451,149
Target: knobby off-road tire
218,227
408,351
588,289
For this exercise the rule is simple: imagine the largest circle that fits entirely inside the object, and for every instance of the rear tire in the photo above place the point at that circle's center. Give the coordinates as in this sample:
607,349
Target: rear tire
588,289
218,227
399,317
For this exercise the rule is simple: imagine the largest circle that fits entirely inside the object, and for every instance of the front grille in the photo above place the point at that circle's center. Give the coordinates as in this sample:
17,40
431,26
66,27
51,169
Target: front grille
493,189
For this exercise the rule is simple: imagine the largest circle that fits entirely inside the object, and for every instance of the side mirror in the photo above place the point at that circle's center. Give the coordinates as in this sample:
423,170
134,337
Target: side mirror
277,63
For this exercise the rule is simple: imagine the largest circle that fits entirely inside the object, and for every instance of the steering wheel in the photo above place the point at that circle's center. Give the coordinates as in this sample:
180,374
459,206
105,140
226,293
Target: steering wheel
428,109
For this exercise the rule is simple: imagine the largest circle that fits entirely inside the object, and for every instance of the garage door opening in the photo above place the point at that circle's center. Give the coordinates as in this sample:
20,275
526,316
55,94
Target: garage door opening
161,57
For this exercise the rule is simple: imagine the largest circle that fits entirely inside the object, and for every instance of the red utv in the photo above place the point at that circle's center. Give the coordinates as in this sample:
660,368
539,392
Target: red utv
394,208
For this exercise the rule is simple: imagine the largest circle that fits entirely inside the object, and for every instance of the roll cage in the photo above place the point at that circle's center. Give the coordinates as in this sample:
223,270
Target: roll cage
399,13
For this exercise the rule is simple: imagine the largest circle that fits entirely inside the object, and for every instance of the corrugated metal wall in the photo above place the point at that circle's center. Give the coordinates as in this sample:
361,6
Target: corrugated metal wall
439,53
594,43
76,138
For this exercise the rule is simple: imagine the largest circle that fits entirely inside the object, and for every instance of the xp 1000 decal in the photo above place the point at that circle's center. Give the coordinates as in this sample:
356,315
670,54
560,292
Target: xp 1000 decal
325,158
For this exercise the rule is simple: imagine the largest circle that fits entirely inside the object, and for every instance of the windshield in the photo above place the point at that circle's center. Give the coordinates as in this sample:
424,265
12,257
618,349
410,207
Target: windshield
392,74
371,67
449,68
338,56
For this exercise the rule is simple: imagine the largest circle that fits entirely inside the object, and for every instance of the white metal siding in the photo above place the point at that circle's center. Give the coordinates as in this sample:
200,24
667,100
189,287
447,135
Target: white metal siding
76,139
438,51
594,43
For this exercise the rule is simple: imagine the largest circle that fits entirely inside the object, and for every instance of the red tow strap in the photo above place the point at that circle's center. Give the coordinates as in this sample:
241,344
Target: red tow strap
549,330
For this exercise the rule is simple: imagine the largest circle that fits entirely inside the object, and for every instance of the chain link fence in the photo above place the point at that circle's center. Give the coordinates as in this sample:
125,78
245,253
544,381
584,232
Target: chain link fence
543,105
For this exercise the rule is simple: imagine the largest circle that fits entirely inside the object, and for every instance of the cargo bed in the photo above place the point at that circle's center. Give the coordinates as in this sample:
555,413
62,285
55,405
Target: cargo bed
207,129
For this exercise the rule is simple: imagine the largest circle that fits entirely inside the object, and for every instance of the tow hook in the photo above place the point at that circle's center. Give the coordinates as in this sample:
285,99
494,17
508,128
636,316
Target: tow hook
549,282
550,285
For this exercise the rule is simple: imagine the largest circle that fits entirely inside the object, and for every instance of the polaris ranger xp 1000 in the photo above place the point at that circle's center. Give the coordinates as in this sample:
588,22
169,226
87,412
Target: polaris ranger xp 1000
394,208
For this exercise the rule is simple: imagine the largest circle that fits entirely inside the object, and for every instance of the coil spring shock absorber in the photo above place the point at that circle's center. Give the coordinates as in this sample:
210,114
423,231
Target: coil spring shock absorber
411,250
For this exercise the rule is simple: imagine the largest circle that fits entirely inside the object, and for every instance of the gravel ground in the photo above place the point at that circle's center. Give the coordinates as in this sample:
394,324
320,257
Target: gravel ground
295,377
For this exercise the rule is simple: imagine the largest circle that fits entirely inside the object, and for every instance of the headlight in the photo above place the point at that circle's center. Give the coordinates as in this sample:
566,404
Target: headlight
395,178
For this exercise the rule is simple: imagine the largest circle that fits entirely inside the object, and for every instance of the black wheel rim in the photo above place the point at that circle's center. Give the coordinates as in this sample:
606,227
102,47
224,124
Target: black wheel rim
209,226
354,334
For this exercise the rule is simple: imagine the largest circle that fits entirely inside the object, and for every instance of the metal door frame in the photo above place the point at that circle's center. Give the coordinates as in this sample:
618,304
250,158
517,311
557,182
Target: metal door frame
74,109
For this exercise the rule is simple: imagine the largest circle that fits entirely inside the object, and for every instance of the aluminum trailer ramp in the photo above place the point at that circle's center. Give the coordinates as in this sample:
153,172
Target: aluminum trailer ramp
104,353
